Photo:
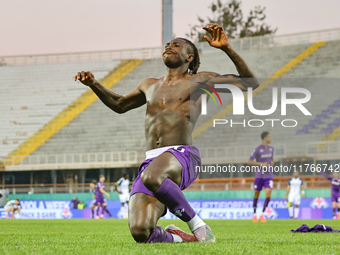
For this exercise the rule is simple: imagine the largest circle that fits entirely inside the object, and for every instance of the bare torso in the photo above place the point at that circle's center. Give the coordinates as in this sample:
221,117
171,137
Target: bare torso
172,111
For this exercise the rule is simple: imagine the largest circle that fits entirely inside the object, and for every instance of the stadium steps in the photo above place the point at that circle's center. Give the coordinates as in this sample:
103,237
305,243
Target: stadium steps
74,109
335,135
32,95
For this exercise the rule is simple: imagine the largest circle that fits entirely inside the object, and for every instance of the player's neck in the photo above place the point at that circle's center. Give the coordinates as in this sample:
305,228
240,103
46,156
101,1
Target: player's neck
175,73
265,144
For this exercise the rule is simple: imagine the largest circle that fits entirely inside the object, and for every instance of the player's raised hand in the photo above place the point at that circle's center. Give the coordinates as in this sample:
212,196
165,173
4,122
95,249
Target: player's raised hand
218,37
86,78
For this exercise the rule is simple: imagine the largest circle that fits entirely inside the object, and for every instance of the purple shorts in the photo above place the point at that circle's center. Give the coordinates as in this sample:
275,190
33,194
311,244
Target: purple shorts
267,183
335,197
99,201
187,155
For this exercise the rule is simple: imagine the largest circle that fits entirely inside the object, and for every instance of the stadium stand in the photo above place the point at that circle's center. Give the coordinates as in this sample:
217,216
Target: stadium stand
32,95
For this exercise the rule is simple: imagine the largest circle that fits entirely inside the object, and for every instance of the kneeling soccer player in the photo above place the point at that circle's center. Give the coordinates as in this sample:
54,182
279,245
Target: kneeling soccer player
173,107
12,207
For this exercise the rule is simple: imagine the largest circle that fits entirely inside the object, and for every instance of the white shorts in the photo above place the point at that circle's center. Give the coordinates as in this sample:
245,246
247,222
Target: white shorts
294,199
15,207
124,197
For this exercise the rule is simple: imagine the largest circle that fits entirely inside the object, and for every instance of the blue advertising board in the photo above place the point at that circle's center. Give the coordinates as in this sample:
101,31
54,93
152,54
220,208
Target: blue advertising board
310,208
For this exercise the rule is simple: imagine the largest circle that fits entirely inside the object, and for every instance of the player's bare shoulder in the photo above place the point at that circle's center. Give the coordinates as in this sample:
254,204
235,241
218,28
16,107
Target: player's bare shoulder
204,76
147,83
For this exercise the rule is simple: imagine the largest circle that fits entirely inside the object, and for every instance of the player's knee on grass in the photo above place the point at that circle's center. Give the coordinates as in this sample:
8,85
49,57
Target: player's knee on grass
140,233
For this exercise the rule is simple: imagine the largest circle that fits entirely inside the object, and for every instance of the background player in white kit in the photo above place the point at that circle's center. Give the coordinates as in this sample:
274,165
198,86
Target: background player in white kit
123,188
295,186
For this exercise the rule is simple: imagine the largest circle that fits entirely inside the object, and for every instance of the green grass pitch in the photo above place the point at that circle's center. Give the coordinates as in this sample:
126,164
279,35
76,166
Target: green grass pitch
110,236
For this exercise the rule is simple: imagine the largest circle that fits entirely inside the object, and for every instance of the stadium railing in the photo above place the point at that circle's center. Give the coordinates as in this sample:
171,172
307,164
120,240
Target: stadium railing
247,43
71,161
235,154
324,150
310,182
213,155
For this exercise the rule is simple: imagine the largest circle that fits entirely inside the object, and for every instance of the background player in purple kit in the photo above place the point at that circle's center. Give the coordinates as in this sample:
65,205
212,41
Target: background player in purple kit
93,206
264,174
335,181
100,200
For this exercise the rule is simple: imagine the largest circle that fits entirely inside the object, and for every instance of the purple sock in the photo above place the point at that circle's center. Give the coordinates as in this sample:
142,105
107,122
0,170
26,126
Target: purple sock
255,204
173,198
339,209
92,211
334,211
107,211
159,235
265,204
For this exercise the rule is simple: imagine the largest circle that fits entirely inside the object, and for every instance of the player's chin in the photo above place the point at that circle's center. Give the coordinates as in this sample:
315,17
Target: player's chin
167,59
171,62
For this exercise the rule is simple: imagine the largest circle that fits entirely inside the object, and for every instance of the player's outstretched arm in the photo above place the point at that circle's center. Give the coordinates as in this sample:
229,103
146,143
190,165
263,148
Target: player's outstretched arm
246,76
114,101
104,192
326,175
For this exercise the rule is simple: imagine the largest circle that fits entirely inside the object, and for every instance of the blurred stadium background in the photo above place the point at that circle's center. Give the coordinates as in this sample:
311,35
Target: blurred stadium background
56,136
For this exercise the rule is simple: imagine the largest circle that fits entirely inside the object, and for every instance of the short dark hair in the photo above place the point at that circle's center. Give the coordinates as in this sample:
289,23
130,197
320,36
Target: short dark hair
195,64
100,176
17,199
264,134
94,182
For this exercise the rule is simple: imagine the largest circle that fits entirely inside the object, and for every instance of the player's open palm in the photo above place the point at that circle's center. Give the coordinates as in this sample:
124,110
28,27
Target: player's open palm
218,37
86,78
